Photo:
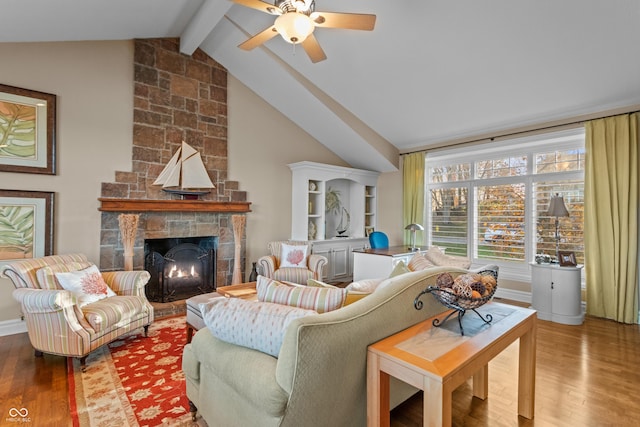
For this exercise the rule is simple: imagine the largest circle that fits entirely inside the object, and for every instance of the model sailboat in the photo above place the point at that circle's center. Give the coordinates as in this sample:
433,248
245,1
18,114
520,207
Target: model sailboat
185,174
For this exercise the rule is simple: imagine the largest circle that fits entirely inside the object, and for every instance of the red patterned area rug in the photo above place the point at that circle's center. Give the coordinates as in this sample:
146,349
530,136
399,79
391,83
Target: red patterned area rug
134,381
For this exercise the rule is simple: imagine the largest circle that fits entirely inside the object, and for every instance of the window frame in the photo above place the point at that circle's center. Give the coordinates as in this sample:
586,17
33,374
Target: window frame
513,147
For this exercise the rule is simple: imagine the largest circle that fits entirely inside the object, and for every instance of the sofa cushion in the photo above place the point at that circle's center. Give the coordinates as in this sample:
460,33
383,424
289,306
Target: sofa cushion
46,275
103,315
293,256
399,268
419,262
352,296
312,298
436,256
87,285
365,285
257,325
293,274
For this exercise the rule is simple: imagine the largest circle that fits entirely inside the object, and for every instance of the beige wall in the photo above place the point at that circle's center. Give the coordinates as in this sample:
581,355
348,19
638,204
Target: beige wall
262,142
94,85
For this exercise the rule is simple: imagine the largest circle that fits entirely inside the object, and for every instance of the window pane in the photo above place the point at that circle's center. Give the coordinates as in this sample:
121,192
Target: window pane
496,168
501,222
450,173
560,161
571,229
449,220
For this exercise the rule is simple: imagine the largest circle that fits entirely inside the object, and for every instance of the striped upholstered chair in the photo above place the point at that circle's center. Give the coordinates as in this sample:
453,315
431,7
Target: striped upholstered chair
56,321
273,265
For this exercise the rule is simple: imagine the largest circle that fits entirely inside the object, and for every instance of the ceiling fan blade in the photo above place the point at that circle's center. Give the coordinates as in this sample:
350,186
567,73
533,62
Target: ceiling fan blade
260,5
259,38
351,21
313,49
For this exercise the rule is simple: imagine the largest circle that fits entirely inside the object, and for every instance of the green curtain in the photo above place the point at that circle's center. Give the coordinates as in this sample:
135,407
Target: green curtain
413,194
611,217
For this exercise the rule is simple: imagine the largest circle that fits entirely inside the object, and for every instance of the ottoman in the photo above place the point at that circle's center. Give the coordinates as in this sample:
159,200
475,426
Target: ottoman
194,316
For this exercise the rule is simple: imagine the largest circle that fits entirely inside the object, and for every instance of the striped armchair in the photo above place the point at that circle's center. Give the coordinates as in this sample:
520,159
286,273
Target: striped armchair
56,324
270,264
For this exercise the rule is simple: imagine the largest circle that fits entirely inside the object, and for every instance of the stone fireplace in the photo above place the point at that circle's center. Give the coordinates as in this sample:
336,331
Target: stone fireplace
176,98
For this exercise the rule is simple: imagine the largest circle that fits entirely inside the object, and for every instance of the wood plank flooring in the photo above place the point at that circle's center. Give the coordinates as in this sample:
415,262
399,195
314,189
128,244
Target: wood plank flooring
586,375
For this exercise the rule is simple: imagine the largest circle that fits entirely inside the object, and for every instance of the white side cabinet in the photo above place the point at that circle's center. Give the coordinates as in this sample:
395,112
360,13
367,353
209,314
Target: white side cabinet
339,253
556,293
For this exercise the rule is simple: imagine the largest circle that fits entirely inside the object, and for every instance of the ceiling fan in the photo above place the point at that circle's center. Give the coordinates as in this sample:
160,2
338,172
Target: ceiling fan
296,20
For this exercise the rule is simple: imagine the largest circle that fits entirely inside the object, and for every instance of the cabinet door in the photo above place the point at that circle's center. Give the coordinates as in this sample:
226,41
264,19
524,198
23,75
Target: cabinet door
566,293
339,261
541,291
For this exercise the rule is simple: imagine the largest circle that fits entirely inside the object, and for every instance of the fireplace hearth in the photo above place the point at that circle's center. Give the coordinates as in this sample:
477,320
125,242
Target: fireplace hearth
180,267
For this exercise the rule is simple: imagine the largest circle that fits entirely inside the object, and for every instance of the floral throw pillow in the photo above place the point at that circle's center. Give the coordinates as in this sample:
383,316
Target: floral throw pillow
293,256
87,285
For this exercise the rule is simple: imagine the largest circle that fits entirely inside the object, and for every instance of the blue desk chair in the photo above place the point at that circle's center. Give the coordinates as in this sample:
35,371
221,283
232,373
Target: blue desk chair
378,240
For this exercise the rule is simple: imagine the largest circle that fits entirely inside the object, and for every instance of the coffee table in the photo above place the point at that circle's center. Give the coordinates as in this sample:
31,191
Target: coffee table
438,359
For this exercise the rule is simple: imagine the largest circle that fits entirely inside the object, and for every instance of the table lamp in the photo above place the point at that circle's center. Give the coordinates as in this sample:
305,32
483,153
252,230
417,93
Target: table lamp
413,228
557,209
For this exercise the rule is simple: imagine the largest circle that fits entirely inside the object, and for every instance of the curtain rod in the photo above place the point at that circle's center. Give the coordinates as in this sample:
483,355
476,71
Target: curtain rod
572,122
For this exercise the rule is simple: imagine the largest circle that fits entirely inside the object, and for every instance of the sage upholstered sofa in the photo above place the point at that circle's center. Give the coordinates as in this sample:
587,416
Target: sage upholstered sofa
319,376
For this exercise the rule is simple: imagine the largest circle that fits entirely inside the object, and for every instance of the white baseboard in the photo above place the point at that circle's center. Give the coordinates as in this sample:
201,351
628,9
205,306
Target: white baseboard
513,295
12,327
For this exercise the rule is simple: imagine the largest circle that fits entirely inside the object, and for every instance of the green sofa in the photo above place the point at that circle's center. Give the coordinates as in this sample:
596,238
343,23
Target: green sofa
319,378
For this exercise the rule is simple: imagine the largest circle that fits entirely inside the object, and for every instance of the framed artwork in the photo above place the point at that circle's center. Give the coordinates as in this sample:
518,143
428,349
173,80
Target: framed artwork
368,231
26,224
27,131
567,259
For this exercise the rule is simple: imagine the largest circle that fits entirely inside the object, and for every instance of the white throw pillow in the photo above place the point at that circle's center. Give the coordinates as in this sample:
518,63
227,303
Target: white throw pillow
87,285
293,256
257,325
365,285
436,256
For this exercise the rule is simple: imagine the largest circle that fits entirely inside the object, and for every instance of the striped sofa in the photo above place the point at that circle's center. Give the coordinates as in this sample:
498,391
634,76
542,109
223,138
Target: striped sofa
55,322
271,268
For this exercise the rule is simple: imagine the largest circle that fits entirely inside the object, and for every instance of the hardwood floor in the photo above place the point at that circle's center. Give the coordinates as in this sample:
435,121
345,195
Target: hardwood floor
586,375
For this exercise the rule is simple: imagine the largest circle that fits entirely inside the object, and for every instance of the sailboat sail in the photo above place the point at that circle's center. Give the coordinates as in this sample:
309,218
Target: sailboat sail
185,171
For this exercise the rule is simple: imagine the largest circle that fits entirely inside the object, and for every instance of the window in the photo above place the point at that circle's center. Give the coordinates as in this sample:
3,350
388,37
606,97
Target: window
490,203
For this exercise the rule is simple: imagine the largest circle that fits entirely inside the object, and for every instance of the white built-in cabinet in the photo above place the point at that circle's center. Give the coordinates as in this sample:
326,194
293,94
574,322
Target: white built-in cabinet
339,253
556,293
311,219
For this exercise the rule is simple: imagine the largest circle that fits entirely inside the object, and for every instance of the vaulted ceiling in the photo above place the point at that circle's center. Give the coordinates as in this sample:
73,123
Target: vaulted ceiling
431,72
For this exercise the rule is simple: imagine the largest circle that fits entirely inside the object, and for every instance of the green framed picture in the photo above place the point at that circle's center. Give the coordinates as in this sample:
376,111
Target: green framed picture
26,224
27,131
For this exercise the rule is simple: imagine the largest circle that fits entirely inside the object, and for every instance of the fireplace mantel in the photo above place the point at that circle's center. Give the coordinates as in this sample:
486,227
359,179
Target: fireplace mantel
144,205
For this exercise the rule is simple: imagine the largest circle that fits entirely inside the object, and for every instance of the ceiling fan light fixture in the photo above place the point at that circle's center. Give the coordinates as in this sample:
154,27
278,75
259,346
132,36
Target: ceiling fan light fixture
294,27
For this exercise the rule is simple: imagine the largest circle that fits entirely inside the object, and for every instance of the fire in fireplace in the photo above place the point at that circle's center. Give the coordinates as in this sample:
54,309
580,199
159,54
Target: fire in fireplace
180,267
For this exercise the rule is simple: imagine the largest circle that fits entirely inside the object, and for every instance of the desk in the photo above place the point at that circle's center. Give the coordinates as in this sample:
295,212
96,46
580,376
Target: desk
438,360
378,263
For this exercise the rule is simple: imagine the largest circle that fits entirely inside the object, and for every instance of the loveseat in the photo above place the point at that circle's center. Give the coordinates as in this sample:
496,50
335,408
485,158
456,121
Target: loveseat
319,376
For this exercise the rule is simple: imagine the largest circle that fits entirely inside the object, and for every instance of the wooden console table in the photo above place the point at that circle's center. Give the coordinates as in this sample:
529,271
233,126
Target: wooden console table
438,359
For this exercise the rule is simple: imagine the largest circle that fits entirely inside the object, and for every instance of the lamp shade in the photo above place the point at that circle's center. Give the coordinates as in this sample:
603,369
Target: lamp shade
414,227
557,207
294,27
